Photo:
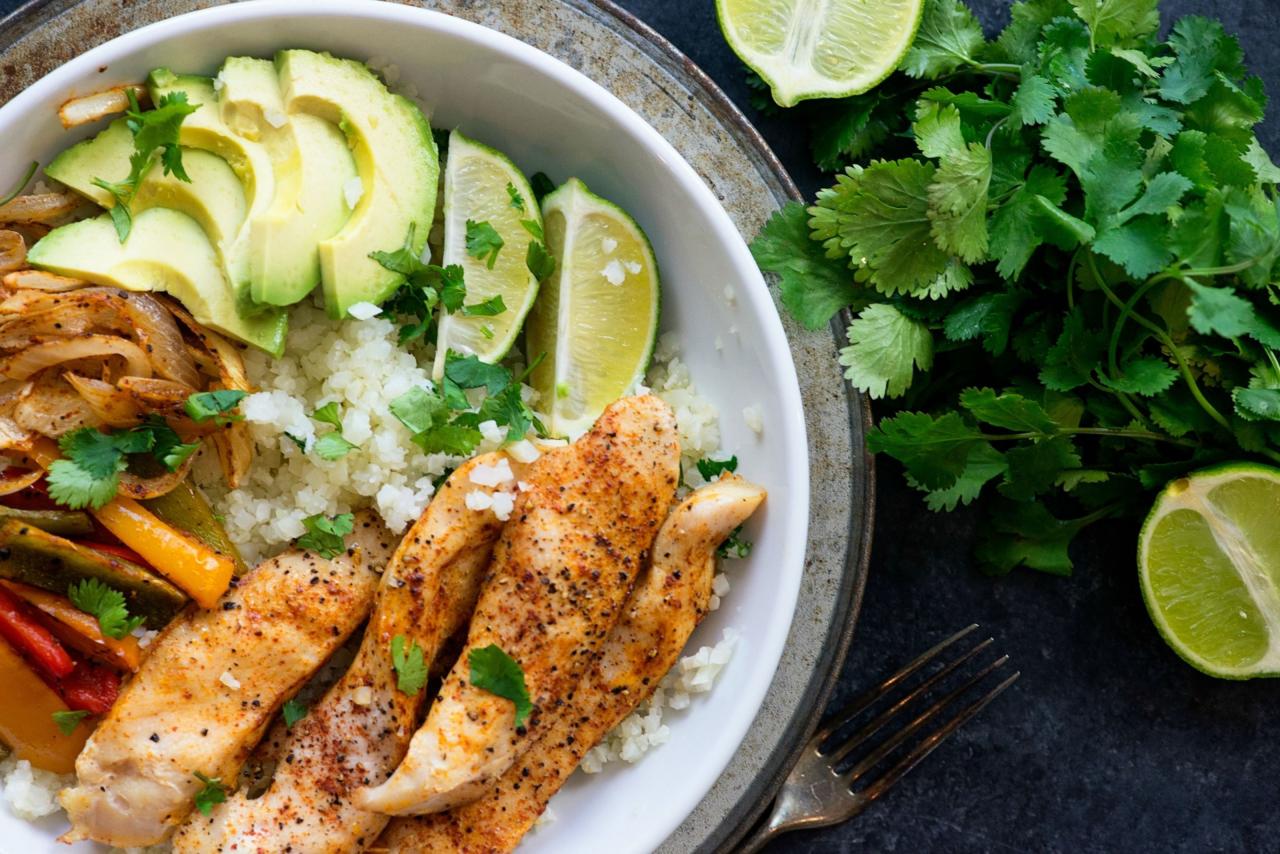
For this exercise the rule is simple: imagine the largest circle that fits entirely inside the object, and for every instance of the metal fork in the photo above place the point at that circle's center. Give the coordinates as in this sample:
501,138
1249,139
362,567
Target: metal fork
820,790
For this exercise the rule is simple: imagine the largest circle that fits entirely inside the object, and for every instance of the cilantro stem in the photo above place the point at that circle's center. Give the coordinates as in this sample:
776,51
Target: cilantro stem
1125,400
1163,337
1205,272
1105,432
1125,311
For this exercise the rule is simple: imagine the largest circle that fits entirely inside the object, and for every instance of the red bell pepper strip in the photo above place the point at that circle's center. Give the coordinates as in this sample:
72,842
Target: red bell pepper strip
28,635
91,686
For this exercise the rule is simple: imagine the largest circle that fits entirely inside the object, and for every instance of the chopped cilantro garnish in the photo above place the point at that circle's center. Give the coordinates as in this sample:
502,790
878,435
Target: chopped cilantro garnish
517,200
411,668
540,262
293,711
88,475
108,605
494,671
456,439
418,409
329,414
210,795
487,331
67,720
489,308
153,130
204,405
324,535
711,469
734,547
470,372
483,242
534,228
332,446
425,287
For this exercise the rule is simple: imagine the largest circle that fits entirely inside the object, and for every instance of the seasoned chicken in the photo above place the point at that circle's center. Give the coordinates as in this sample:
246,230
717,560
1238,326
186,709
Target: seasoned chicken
212,683
667,604
561,573
360,729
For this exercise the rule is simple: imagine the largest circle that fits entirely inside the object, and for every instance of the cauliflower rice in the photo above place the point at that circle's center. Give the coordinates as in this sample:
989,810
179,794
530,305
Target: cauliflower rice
325,363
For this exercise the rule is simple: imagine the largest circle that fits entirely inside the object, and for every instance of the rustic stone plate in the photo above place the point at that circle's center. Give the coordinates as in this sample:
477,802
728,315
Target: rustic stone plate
653,78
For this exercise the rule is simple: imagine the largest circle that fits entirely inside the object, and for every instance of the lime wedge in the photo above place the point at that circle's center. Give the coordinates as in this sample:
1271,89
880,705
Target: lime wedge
483,186
817,48
1209,561
597,316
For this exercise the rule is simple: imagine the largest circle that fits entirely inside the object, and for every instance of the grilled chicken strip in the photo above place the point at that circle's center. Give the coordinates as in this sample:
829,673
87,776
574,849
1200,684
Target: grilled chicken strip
561,574
212,683
661,615
361,728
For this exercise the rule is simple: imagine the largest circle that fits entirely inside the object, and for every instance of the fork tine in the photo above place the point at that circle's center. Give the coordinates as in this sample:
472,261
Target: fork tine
890,744
861,702
837,756
930,743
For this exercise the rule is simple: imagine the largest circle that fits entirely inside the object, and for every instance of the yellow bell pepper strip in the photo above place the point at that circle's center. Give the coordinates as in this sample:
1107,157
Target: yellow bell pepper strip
77,629
190,564
26,718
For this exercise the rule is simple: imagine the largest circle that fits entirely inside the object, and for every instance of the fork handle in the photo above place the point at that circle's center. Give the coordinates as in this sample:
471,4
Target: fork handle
760,838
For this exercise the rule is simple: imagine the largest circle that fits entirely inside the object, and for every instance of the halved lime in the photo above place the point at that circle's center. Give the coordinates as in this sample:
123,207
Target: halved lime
818,48
597,316
1209,562
483,186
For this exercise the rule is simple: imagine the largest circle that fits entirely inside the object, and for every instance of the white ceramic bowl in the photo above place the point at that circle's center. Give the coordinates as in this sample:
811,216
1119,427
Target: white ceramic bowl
548,117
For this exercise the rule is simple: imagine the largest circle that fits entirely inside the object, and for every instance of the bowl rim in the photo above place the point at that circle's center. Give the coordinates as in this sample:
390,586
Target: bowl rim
774,345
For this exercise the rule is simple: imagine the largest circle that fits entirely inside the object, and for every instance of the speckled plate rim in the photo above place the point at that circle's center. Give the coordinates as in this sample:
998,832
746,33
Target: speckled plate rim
738,820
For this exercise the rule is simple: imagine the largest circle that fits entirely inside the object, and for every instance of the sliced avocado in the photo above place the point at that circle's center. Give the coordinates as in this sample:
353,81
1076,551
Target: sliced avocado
204,129
395,156
214,197
312,167
166,251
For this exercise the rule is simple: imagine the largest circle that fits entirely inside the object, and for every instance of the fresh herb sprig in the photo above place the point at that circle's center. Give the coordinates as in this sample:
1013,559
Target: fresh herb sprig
494,671
153,130
88,475
106,604
326,535
1060,250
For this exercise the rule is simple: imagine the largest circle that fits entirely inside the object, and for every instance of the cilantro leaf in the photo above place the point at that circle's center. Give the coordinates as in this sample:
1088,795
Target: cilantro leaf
293,711
329,414
517,200
483,242
210,795
1221,311
1034,467
418,409
67,720
1034,100
489,308
711,469
205,405
989,317
958,202
734,546
494,671
1009,410
1117,21
540,262
1255,404
879,217
534,228
935,451
948,37
470,372
1027,534
1147,376
813,287
410,666
885,347
326,536
455,439
333,446
107,604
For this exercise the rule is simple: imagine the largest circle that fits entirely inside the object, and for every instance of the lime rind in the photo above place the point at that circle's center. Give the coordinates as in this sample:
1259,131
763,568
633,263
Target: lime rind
507,325
574,202
1194,493
790,85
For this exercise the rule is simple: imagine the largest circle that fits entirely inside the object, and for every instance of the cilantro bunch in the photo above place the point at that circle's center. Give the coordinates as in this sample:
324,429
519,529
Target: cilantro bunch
1059,249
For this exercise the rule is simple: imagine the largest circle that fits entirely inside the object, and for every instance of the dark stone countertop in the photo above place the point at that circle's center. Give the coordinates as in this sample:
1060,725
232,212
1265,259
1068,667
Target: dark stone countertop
1108,742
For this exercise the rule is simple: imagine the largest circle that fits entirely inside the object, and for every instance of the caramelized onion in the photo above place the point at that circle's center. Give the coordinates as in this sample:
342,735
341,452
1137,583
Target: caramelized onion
51,407
13,437
13,251
45,208
114,407
225,355
138,487
235,452
163,397
14,480
89,108
33,359
39,280
157,333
